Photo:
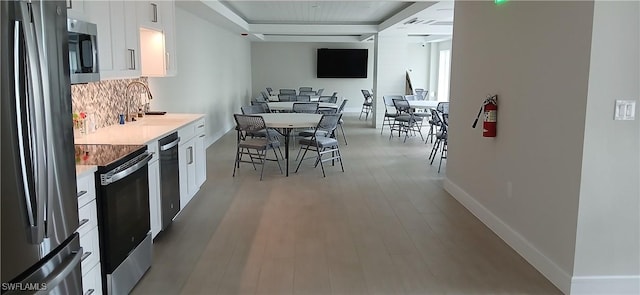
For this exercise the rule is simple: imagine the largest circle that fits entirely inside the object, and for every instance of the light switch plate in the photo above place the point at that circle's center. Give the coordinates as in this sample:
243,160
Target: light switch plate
625,110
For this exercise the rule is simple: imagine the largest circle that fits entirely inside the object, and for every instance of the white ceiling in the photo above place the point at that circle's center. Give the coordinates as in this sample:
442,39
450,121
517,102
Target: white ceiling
327,21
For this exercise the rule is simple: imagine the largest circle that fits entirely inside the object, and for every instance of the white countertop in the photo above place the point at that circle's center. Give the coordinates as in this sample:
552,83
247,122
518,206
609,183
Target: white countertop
82,170
143,131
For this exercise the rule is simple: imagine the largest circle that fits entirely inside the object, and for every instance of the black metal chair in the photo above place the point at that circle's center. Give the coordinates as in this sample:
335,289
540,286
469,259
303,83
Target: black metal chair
390,112
255,148
305,89
288,91
367,105
270,91
287,97
406,121
305,107
323,145
441,139
303,98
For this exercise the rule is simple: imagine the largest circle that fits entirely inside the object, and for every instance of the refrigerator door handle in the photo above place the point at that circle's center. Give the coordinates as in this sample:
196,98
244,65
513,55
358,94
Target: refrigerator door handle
67,266
37,131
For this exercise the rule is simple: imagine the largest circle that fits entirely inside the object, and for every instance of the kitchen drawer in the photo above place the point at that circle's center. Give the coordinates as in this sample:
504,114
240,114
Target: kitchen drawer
92,282
199,126
187,132
91,248
86,189
88,218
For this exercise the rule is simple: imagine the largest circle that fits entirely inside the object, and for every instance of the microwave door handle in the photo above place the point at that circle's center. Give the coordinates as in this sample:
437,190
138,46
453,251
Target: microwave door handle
94,54
36,128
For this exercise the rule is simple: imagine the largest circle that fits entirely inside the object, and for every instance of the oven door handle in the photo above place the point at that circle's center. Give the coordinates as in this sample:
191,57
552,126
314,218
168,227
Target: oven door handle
124,173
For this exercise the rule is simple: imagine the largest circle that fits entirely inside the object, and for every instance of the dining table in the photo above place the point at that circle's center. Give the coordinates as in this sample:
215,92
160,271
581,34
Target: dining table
423,104
275,98
287,106
286,122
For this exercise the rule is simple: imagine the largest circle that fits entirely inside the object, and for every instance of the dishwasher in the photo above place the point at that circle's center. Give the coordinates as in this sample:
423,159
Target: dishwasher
169,178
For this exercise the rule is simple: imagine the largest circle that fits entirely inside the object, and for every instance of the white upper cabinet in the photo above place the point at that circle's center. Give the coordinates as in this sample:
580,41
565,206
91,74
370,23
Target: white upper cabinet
97,12
157,16
125,50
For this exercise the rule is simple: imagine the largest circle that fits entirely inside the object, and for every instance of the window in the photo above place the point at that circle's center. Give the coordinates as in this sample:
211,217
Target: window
444,72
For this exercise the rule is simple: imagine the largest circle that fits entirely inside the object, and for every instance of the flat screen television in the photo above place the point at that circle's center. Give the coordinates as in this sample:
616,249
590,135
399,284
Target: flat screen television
342,63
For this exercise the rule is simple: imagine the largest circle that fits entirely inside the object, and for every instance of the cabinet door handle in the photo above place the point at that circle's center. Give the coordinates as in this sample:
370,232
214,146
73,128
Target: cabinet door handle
85,255
81,193
201,136
154,8
82,222
132,59
190,155
166,62
89,292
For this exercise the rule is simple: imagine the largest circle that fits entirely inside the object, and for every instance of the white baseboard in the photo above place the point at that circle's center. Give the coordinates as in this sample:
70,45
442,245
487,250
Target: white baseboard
611,285
515,240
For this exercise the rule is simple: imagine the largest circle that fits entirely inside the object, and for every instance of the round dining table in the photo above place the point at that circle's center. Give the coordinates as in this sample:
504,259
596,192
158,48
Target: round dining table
286,122
287,106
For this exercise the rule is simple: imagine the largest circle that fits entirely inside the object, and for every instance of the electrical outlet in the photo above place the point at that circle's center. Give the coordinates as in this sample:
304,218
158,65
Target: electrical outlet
625,110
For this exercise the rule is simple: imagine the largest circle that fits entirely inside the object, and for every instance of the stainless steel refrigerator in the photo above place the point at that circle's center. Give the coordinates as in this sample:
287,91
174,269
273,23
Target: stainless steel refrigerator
40,249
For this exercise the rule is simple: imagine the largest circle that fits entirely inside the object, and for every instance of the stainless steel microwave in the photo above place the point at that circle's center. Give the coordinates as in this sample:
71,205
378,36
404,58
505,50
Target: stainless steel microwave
83,51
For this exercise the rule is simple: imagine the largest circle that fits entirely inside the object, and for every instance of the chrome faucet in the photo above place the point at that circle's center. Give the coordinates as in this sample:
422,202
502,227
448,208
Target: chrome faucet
129,117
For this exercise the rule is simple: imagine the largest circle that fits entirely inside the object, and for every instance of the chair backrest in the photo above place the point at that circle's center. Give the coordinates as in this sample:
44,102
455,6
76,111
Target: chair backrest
270,90
303,98
319,92
341,108
264,96
286,97
436,118
305,89
325,98
310,93
365,93
263,104
402,105
249,122
410,97
328,123
443,107
305,107
252,109
288,91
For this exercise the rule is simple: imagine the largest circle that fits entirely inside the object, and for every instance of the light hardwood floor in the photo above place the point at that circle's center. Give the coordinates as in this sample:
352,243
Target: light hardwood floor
384,226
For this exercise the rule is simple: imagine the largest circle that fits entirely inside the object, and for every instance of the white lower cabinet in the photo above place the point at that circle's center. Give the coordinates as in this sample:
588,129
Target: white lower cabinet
154,197
88,231
92,282
192,160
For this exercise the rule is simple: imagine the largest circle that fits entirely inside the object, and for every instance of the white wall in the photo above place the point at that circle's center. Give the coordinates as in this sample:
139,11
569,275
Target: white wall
391,69
607,259
525,183
214,74
291,65
418,62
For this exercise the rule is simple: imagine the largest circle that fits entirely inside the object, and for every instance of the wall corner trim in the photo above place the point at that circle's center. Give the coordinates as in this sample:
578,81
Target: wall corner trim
515,240
619,285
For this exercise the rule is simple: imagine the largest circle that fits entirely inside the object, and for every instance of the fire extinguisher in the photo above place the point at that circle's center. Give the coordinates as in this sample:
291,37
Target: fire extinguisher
490,118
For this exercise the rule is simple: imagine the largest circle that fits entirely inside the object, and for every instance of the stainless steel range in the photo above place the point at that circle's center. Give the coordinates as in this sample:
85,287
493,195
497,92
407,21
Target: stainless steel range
122,187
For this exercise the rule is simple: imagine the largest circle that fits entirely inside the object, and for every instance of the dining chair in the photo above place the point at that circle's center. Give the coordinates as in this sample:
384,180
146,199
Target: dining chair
334,98
390,112
303,98
441,140
265,96
307,93
323,145
255,148
288,91
286,97
341,122
263,104
319,91
325,98
367,104
305,107
270,91
305,89
406,121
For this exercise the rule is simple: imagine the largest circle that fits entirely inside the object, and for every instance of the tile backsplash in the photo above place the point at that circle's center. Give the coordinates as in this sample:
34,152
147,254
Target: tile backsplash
105,99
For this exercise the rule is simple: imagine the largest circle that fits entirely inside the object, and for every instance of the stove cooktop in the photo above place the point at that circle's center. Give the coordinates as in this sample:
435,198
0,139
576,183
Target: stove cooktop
104,155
